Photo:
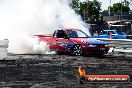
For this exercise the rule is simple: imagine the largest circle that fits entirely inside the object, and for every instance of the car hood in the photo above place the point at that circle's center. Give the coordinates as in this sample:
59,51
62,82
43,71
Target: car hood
88,40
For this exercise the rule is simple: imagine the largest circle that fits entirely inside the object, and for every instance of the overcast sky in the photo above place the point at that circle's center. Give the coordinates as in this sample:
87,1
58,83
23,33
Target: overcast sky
106,3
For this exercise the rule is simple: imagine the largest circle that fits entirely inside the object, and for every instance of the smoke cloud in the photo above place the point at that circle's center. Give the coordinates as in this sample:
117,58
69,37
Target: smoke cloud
20,19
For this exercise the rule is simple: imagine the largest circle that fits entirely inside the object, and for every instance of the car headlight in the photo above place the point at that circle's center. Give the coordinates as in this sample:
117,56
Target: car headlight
91,45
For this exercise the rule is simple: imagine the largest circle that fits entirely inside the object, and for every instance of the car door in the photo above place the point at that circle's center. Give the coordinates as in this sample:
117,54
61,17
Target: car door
52,42
61,40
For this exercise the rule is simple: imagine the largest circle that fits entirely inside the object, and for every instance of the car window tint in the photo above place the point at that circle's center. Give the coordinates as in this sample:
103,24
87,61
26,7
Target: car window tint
77,34
61,34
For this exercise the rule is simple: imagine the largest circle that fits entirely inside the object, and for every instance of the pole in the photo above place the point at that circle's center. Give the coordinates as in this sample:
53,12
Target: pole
109,13
121,15
121,11
109,10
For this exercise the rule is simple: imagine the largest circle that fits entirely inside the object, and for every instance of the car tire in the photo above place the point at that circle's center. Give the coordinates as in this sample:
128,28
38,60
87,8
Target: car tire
77,50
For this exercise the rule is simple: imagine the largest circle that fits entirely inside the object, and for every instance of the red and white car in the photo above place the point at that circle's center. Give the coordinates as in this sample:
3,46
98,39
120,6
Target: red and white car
74,41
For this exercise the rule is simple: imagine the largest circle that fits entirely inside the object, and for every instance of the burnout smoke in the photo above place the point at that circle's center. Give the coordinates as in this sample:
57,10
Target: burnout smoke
21,18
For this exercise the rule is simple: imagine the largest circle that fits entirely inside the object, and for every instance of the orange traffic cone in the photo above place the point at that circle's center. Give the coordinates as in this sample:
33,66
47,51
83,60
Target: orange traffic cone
110,35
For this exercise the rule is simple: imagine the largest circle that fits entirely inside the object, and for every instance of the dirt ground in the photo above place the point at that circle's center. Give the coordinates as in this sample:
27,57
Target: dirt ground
59,71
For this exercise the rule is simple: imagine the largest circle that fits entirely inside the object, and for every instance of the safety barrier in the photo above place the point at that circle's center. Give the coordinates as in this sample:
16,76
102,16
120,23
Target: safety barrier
119,45
3,48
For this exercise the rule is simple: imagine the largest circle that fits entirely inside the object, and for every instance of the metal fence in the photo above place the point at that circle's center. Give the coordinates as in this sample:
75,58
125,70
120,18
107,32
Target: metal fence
119,45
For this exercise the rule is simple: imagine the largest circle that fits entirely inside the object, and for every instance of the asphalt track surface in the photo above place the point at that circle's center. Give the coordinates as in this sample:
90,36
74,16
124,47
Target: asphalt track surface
59,71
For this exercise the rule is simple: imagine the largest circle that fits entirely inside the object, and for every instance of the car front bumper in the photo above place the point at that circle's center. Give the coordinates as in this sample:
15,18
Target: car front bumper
88,50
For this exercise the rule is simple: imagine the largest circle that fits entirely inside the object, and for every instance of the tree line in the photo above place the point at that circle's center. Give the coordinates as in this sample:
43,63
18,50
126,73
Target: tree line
90,10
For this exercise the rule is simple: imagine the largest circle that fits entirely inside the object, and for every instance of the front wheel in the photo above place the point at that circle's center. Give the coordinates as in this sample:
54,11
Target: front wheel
77,50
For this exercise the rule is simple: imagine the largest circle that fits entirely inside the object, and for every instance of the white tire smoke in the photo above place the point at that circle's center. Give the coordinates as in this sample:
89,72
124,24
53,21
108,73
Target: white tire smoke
21,18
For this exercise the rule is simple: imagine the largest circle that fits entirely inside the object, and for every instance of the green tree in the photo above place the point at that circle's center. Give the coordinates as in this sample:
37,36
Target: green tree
75,4
130,2
126,3
117,7
89,10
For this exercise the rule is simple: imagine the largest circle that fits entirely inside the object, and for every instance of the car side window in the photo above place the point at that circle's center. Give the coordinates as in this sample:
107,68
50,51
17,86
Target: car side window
61,34
105,32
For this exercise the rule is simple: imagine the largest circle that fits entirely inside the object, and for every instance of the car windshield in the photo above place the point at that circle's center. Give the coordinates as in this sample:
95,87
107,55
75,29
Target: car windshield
77,34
